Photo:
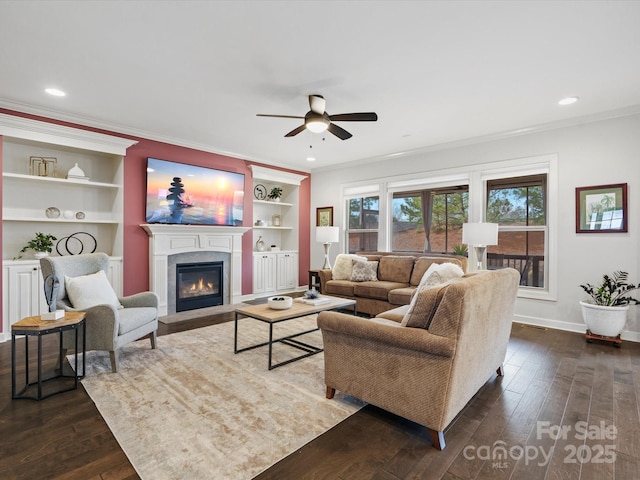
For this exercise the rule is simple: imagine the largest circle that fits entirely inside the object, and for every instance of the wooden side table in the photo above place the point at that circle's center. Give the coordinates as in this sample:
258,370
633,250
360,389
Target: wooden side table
314,280
35,326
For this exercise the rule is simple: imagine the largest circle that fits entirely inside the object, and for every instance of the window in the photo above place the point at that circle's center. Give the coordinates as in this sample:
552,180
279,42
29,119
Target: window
519,206
435,228
363,222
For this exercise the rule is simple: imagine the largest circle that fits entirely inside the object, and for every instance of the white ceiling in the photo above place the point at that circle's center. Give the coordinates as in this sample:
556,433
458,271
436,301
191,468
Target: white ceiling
196,73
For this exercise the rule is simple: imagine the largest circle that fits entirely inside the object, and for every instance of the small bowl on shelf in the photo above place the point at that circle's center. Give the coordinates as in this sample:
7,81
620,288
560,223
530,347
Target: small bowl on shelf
280,302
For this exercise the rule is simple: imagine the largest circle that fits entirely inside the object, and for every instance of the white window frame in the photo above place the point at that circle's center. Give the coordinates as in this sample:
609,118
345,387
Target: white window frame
476,176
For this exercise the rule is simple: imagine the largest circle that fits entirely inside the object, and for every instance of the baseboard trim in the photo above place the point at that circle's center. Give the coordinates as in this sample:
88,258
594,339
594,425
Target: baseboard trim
568,326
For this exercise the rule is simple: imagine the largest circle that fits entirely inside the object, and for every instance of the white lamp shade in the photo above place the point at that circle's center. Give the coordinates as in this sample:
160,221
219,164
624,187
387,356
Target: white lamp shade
480,233
327,234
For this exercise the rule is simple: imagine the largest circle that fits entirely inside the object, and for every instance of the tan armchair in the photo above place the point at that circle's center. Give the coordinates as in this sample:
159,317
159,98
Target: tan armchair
426,375
108,327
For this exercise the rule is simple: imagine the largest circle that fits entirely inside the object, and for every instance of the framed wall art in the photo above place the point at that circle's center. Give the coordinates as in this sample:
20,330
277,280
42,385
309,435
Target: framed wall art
324,217
601,209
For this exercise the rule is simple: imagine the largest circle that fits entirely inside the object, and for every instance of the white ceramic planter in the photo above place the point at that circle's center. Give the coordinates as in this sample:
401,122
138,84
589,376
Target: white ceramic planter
607,321
40,255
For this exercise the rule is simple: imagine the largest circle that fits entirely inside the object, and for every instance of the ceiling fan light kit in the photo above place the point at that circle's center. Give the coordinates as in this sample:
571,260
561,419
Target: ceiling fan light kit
317,120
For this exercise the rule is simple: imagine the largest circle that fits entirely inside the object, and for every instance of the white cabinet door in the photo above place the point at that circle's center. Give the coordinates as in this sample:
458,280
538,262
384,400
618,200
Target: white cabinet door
287,271
23,293
264,272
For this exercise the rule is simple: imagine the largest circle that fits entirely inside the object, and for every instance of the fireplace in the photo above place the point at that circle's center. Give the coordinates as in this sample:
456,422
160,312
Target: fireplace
198,285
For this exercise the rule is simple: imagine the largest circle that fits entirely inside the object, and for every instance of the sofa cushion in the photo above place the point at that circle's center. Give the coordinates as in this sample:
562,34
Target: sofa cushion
401,296
378,290
422,264
131,318
395,314
420,313
343,288
395,269
343,266
436,274
86,291
364,272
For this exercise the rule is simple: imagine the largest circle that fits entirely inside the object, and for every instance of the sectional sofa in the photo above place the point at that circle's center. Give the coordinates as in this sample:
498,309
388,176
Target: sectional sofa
397,276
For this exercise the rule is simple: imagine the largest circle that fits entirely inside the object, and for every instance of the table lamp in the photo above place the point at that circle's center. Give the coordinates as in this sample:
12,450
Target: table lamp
479,235
327,236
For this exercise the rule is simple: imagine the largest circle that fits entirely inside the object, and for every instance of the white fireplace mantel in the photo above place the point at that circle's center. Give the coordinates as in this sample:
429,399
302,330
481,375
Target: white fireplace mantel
165,240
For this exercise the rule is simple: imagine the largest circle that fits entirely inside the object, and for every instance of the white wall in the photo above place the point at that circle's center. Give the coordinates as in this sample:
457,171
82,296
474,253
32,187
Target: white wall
596,153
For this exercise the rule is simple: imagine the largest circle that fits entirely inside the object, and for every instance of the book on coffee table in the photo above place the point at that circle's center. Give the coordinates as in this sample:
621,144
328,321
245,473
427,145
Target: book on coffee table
313,301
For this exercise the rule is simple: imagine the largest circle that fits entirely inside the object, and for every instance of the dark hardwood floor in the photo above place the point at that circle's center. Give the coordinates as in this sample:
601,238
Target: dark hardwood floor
564,409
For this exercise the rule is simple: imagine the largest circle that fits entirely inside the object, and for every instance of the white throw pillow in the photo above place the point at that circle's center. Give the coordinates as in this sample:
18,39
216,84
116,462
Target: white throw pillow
343,266
436,274
87,291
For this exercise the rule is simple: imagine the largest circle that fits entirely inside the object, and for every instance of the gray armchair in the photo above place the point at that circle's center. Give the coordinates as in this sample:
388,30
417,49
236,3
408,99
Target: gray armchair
107,327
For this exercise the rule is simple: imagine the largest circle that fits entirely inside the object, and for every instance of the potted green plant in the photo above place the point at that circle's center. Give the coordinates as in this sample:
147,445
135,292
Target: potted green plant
606,312
460,250
41,244
275,194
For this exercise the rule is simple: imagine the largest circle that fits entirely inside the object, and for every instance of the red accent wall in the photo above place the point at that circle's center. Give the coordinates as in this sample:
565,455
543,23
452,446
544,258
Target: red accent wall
136,241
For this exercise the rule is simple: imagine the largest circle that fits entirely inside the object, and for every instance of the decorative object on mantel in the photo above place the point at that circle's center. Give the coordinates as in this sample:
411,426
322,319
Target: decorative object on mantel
276,220
43,166
606,314
275,194
274,248
52,212
41,244
76,173
280,303
260,245
73,244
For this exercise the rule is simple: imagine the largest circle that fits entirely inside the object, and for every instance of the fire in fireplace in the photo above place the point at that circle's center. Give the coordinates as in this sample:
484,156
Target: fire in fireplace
198,285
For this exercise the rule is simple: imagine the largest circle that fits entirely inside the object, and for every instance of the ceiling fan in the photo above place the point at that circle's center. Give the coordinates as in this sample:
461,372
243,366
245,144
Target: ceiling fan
317,120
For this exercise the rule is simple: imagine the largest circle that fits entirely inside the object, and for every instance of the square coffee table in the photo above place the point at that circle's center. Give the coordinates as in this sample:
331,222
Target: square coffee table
264,313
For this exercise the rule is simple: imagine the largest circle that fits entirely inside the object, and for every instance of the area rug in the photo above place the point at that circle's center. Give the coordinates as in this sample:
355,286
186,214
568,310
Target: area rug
194,409
199,313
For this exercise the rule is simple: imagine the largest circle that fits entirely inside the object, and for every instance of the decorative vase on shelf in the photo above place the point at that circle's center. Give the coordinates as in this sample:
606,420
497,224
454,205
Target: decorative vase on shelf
260,245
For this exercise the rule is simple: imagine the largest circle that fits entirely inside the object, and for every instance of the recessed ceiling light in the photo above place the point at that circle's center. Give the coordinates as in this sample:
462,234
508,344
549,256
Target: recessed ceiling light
568,100
55,92
311,159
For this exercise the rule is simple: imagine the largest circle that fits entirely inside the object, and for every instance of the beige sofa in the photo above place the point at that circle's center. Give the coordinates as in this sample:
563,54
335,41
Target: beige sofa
398,276
426,374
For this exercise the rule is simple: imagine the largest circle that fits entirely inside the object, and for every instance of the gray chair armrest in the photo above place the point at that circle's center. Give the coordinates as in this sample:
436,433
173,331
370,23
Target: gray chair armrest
102,327
416,339
142,299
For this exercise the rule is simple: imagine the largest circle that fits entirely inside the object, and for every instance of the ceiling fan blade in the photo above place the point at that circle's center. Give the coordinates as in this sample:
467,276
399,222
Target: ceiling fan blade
295,131
277,116
354,117
339,132
317,103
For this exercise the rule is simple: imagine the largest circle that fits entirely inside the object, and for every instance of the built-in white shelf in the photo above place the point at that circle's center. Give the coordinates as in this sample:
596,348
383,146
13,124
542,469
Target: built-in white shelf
267,227
273,204
7,218
35,178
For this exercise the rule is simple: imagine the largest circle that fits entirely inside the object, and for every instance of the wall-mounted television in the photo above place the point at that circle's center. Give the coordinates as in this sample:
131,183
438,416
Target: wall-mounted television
192,195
